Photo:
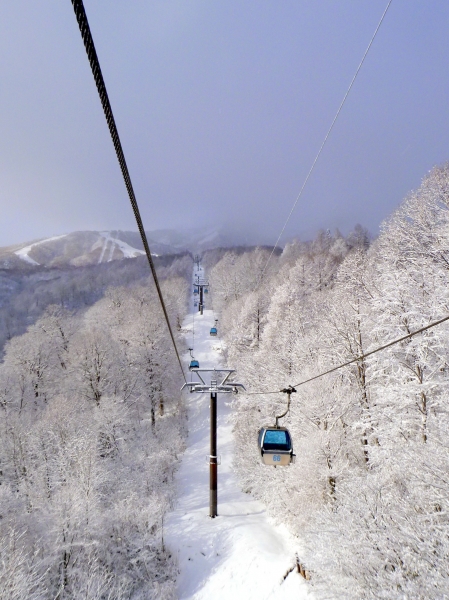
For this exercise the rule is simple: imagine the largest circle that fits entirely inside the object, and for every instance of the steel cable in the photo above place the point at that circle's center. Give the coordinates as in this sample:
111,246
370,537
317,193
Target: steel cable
326,137
86,35
358,358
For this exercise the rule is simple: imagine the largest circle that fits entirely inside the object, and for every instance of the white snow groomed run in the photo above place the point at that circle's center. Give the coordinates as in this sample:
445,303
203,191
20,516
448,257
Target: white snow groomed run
240,553
23,252
127,250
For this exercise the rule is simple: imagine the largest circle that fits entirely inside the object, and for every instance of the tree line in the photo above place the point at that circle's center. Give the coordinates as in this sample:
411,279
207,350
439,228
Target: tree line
25,293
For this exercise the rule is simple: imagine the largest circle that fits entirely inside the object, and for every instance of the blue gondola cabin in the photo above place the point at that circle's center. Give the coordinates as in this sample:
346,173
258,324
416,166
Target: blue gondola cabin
275,446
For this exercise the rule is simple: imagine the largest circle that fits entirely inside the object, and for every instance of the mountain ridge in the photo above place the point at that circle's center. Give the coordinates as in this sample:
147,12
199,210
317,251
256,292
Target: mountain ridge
82,248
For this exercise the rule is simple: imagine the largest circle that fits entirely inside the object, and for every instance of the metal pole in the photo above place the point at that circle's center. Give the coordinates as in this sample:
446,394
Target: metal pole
213,456
214,388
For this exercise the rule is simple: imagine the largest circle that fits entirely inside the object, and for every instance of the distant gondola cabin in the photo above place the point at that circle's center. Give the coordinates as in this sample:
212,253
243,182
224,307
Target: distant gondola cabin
194,364
213,331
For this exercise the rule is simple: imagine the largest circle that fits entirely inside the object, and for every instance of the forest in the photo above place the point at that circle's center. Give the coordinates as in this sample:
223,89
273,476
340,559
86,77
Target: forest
25,293
92,427
93,424
368,495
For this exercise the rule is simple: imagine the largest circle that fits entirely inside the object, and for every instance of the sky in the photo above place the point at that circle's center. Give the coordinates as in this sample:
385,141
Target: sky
221,106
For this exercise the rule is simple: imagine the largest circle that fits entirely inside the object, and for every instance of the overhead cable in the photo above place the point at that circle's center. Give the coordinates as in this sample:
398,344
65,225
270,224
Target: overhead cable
83,23
359,358
326,137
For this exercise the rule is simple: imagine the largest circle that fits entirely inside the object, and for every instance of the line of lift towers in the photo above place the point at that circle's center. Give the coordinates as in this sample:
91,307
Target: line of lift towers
274,443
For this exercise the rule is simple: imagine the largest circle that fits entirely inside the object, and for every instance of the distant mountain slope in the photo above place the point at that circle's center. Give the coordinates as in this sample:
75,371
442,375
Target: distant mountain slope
79,249
82,248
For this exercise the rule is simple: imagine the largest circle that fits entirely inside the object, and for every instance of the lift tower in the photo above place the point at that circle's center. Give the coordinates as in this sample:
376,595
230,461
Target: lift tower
196,260
201,284
214,388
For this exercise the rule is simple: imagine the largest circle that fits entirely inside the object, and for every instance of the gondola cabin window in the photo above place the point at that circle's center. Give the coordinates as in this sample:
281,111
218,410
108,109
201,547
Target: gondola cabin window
277,439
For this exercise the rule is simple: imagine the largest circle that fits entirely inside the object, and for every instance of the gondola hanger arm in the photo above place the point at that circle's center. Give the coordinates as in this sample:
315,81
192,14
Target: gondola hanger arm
289,391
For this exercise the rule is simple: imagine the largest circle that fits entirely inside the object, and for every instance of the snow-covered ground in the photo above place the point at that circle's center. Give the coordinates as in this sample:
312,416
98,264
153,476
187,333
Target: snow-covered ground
241,553
128,251
23,252
107,242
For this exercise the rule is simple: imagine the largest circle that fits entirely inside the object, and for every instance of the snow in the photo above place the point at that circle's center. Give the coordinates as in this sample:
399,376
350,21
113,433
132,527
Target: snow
127,250
240,553
23,252
209,237
103,250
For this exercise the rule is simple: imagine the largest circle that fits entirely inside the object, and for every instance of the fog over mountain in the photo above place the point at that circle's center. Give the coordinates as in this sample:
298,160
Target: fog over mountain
83,248
221,109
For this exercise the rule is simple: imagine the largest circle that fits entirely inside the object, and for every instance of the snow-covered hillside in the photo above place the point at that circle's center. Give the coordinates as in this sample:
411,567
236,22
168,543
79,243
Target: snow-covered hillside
110,244
241,553
23,253
80,249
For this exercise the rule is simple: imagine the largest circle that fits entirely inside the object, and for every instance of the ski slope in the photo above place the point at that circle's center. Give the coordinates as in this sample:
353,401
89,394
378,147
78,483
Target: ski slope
127,250
23,252
240,553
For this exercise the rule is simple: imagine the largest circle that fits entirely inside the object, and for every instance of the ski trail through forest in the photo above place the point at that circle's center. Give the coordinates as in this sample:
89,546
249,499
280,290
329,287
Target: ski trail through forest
240,553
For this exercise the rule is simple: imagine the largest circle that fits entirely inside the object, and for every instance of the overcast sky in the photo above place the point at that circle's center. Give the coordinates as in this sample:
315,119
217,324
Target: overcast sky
221,106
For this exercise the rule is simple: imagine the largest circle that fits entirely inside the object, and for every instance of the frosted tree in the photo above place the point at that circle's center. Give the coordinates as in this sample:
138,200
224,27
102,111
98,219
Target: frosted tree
86,478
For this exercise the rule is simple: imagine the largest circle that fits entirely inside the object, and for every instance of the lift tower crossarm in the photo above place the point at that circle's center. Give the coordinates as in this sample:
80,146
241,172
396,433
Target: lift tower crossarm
223,389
